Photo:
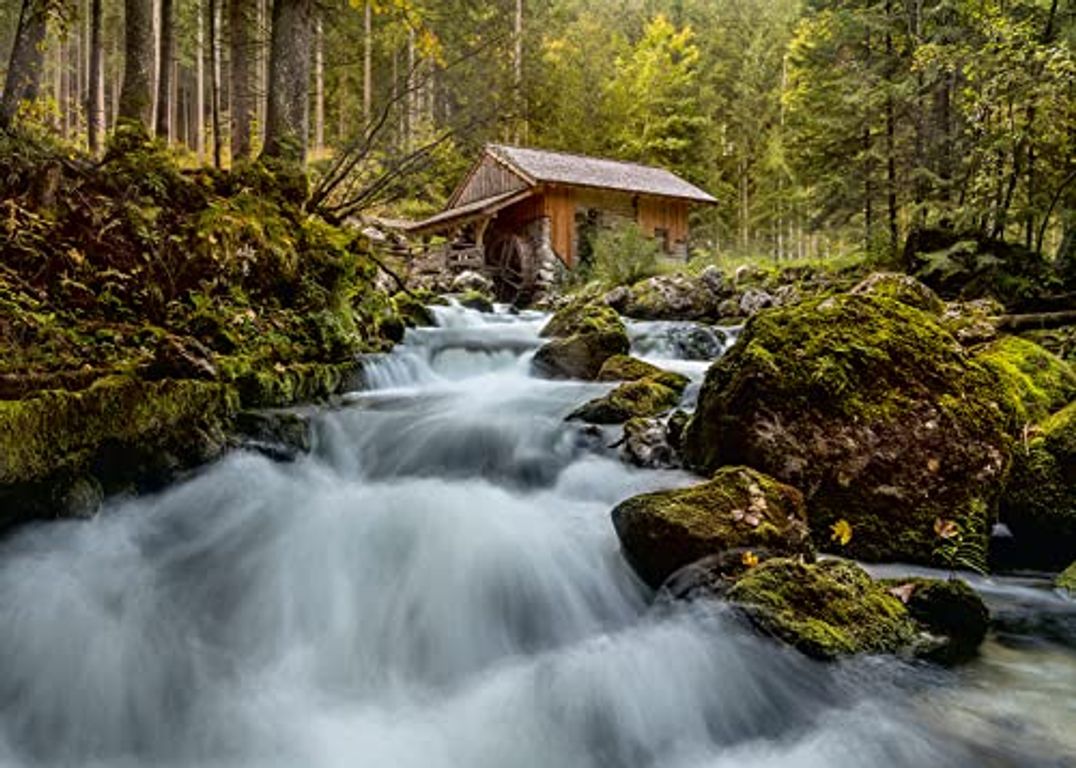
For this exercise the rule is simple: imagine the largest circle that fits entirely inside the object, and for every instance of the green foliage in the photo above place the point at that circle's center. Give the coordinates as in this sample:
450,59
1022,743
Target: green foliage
622,255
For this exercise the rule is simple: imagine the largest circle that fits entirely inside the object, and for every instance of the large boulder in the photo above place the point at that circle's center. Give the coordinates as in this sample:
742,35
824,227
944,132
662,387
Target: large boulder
664,531
584,337
901,287
1035,381
834,608
870,408
1039,503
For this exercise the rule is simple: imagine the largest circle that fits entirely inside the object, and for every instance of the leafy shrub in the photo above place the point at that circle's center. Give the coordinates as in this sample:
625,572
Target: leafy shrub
622,255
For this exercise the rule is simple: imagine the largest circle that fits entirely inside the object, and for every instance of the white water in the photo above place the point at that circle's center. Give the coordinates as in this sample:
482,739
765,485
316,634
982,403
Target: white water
440,585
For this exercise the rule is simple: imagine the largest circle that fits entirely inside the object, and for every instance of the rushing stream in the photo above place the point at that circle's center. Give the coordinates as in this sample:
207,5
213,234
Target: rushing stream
439,584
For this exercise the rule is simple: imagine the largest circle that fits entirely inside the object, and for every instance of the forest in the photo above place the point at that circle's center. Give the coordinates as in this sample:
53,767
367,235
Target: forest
820,126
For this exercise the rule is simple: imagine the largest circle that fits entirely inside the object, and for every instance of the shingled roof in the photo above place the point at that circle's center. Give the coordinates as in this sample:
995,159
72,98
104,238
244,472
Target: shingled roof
541,165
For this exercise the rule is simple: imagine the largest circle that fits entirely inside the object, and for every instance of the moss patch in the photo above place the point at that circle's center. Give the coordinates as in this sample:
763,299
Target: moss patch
632,399
665,531
826,610
1035,381
583,316
1039,503
1066,580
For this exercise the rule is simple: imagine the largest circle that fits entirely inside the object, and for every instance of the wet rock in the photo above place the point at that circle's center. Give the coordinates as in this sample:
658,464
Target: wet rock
754,300
280,435
711,577
670,297
627,368
902,288
80,497
872,409
471,281
412,309
1039,501
825,610
646,444
949,610
713,280
632,399
584,337
176,358
664,531
676,424
479,301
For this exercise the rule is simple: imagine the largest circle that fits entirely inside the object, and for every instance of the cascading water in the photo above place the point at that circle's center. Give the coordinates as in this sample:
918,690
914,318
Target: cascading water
439,585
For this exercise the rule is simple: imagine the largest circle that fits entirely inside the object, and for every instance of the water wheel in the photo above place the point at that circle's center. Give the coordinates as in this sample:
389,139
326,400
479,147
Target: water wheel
508,258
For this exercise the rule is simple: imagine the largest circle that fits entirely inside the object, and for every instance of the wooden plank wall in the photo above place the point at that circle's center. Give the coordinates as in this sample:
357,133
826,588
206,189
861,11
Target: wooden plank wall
560,208
489,178
670,215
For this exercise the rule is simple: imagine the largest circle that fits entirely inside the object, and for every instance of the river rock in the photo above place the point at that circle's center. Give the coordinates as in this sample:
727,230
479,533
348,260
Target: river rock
1066,580
279,434
412,309
903,288
670,297
1039,502
479,301
632,399
470,280
662,532
869,407
754,300
584,337
834,608
646,444
949,610
972,322
713,280
729,308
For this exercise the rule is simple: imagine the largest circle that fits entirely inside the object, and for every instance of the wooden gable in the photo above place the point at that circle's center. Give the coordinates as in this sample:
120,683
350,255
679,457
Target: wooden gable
488,177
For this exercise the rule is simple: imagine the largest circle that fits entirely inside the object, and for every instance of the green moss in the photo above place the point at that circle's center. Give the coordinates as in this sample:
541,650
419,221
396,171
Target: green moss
902,288
664,531
869,405
412,309
59,430
583,317
826,610
1066,580
1039,502
476,300
1034,382
949,610
632,399
627,368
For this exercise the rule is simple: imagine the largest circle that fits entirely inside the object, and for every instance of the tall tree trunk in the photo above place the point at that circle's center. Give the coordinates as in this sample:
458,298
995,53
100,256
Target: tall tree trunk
164,72
890,135
517,74
95,107
242,101
868,162
367,63
289,80
136,98
199,87
27,58
319,86
214,50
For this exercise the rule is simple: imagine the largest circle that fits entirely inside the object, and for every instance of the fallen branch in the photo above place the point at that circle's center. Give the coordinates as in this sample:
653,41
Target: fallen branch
1036,320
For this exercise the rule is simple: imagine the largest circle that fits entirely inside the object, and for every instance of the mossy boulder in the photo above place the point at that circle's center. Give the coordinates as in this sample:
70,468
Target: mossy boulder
903,288
627,368
476,300
973,322
412,310
672,297
949,610
1035,382
118,432
632,399
826,610
583,337
1066,580
664,531
1039,502
869,407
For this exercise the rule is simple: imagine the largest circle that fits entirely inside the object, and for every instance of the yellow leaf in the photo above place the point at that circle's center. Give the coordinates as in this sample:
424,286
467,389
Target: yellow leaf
750,559
946,529
841,532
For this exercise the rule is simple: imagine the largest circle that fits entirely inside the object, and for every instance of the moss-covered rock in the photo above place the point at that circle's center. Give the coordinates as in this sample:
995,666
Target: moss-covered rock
872,409
902,288
1066,580
672,297
826,610
412,310
949,610
664,531
1039,502
476,300
627,368
972,322
632,399
583,336
1035,382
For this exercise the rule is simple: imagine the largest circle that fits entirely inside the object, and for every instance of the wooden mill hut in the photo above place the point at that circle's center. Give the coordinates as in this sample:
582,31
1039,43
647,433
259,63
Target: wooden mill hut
519,212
